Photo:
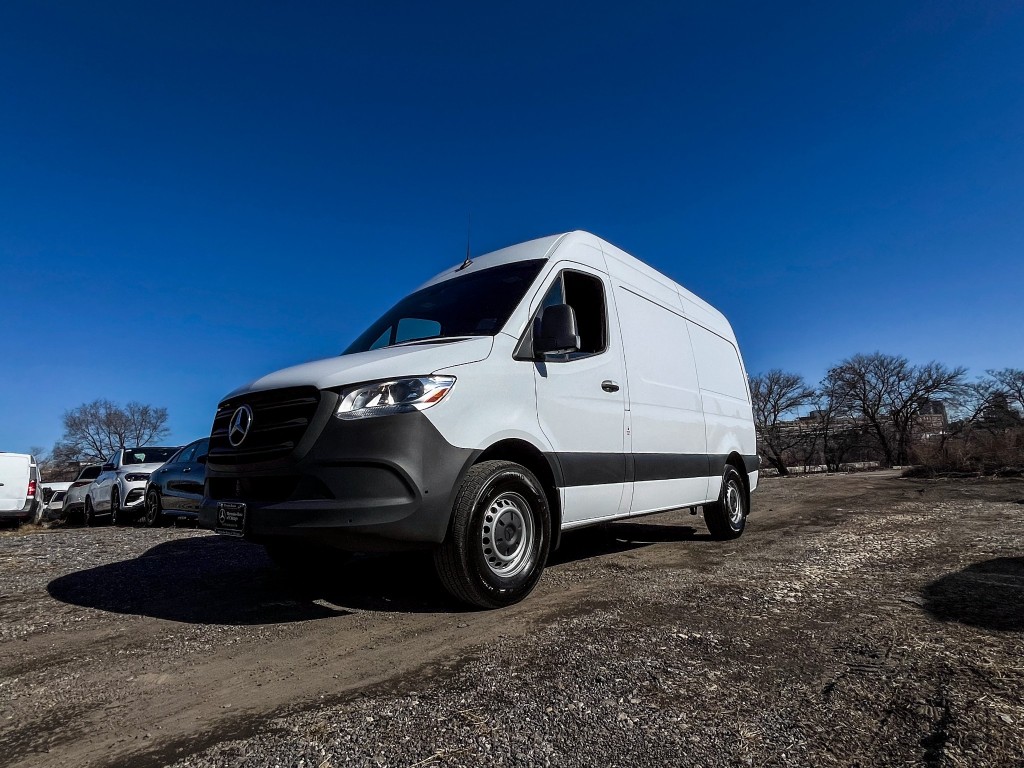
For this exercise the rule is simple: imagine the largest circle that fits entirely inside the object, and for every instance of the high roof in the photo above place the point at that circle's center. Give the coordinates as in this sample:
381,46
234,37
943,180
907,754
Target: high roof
608,258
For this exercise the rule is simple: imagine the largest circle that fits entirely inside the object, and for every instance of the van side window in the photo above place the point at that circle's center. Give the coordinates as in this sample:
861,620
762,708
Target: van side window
585,294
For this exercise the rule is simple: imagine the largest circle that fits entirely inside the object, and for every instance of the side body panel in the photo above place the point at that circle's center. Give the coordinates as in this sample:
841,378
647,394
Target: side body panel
724,394
15,473
660,441
667,423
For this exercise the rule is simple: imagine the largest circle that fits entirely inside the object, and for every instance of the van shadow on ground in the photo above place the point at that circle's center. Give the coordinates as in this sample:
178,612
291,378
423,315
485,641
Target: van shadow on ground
989,594
220,580
619,537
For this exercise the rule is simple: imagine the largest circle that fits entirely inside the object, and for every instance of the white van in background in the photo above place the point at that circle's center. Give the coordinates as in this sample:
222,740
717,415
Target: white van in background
551,385
20,488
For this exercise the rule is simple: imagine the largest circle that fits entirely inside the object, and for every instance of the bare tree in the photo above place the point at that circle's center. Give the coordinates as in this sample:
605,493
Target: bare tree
1011,382
841,433
777,394
888,393
95,430
967,409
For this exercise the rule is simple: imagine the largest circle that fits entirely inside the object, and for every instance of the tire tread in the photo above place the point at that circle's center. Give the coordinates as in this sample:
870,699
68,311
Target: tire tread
716,516
451,557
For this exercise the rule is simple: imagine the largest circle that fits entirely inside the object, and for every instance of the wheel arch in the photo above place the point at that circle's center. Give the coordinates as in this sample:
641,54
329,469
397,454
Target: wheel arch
736,461
531,457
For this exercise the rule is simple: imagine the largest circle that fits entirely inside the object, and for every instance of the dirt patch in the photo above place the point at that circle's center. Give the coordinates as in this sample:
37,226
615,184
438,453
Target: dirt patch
860,620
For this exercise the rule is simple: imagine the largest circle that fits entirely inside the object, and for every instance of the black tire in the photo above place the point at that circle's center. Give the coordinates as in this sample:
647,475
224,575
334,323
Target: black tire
116,513
303,559
477,567
88,514
727,517
154,512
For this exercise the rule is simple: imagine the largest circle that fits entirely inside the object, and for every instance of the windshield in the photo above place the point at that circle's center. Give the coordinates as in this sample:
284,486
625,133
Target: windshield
475,304
147,455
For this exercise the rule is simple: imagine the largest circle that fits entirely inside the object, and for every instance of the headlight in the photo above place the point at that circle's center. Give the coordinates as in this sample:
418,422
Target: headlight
384,398
136,478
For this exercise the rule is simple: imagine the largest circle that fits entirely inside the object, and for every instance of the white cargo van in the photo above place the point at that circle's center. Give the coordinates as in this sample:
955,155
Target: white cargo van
19,488
547,386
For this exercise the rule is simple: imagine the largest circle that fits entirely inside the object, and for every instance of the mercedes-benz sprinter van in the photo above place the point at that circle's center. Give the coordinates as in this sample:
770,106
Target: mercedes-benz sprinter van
547,386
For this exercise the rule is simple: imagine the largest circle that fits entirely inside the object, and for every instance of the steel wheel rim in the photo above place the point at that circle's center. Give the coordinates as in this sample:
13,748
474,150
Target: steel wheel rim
507,534
734,504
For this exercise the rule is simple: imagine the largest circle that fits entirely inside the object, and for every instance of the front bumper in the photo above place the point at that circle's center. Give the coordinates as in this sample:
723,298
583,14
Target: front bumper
53,513
385,483
133,494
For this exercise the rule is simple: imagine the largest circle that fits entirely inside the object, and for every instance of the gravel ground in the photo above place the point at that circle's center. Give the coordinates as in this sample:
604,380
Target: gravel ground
861,620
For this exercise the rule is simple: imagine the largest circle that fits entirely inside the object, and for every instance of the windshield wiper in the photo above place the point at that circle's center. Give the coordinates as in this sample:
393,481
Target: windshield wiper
429,340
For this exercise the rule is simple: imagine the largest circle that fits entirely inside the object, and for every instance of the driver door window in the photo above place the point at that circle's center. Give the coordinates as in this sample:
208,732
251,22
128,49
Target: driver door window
585,294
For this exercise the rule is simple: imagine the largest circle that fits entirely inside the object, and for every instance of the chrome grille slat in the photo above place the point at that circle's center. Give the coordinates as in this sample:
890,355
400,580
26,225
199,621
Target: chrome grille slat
280,420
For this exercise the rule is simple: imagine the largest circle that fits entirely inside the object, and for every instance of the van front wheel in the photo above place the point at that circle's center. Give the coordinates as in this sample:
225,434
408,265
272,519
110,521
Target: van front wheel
499,538
727,517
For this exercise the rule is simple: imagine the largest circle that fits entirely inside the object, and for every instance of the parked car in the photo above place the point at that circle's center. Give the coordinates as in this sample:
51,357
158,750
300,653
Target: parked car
551,385
176,488
20,491
52,508
50,488
74,502
119,492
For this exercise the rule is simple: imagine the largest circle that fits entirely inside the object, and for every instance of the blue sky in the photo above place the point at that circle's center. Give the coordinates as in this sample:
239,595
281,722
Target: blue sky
194,195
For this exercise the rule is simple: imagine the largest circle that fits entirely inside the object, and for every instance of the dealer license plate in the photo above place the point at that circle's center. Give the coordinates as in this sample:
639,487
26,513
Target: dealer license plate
231,518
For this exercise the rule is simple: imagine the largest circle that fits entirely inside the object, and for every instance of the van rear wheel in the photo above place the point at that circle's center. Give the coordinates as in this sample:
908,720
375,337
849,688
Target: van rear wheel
727,517
499,537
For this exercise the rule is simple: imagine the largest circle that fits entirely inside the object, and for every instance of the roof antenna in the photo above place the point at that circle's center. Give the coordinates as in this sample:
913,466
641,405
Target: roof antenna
468,261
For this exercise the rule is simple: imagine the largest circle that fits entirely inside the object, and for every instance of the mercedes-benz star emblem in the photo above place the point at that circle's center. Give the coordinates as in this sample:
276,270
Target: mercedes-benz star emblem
241,423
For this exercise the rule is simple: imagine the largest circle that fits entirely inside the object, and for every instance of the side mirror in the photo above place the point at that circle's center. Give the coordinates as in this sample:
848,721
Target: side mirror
203,459
555,331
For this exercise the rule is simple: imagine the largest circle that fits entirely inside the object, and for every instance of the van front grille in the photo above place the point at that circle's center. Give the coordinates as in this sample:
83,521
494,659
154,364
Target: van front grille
280,418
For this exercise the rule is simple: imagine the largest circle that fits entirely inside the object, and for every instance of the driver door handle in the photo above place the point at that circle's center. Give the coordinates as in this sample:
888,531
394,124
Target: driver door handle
609,386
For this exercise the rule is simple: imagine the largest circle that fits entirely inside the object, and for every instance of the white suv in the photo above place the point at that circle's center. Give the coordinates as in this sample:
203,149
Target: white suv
120,489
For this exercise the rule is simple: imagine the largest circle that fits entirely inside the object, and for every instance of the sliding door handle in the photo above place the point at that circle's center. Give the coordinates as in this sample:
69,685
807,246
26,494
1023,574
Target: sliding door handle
609,386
